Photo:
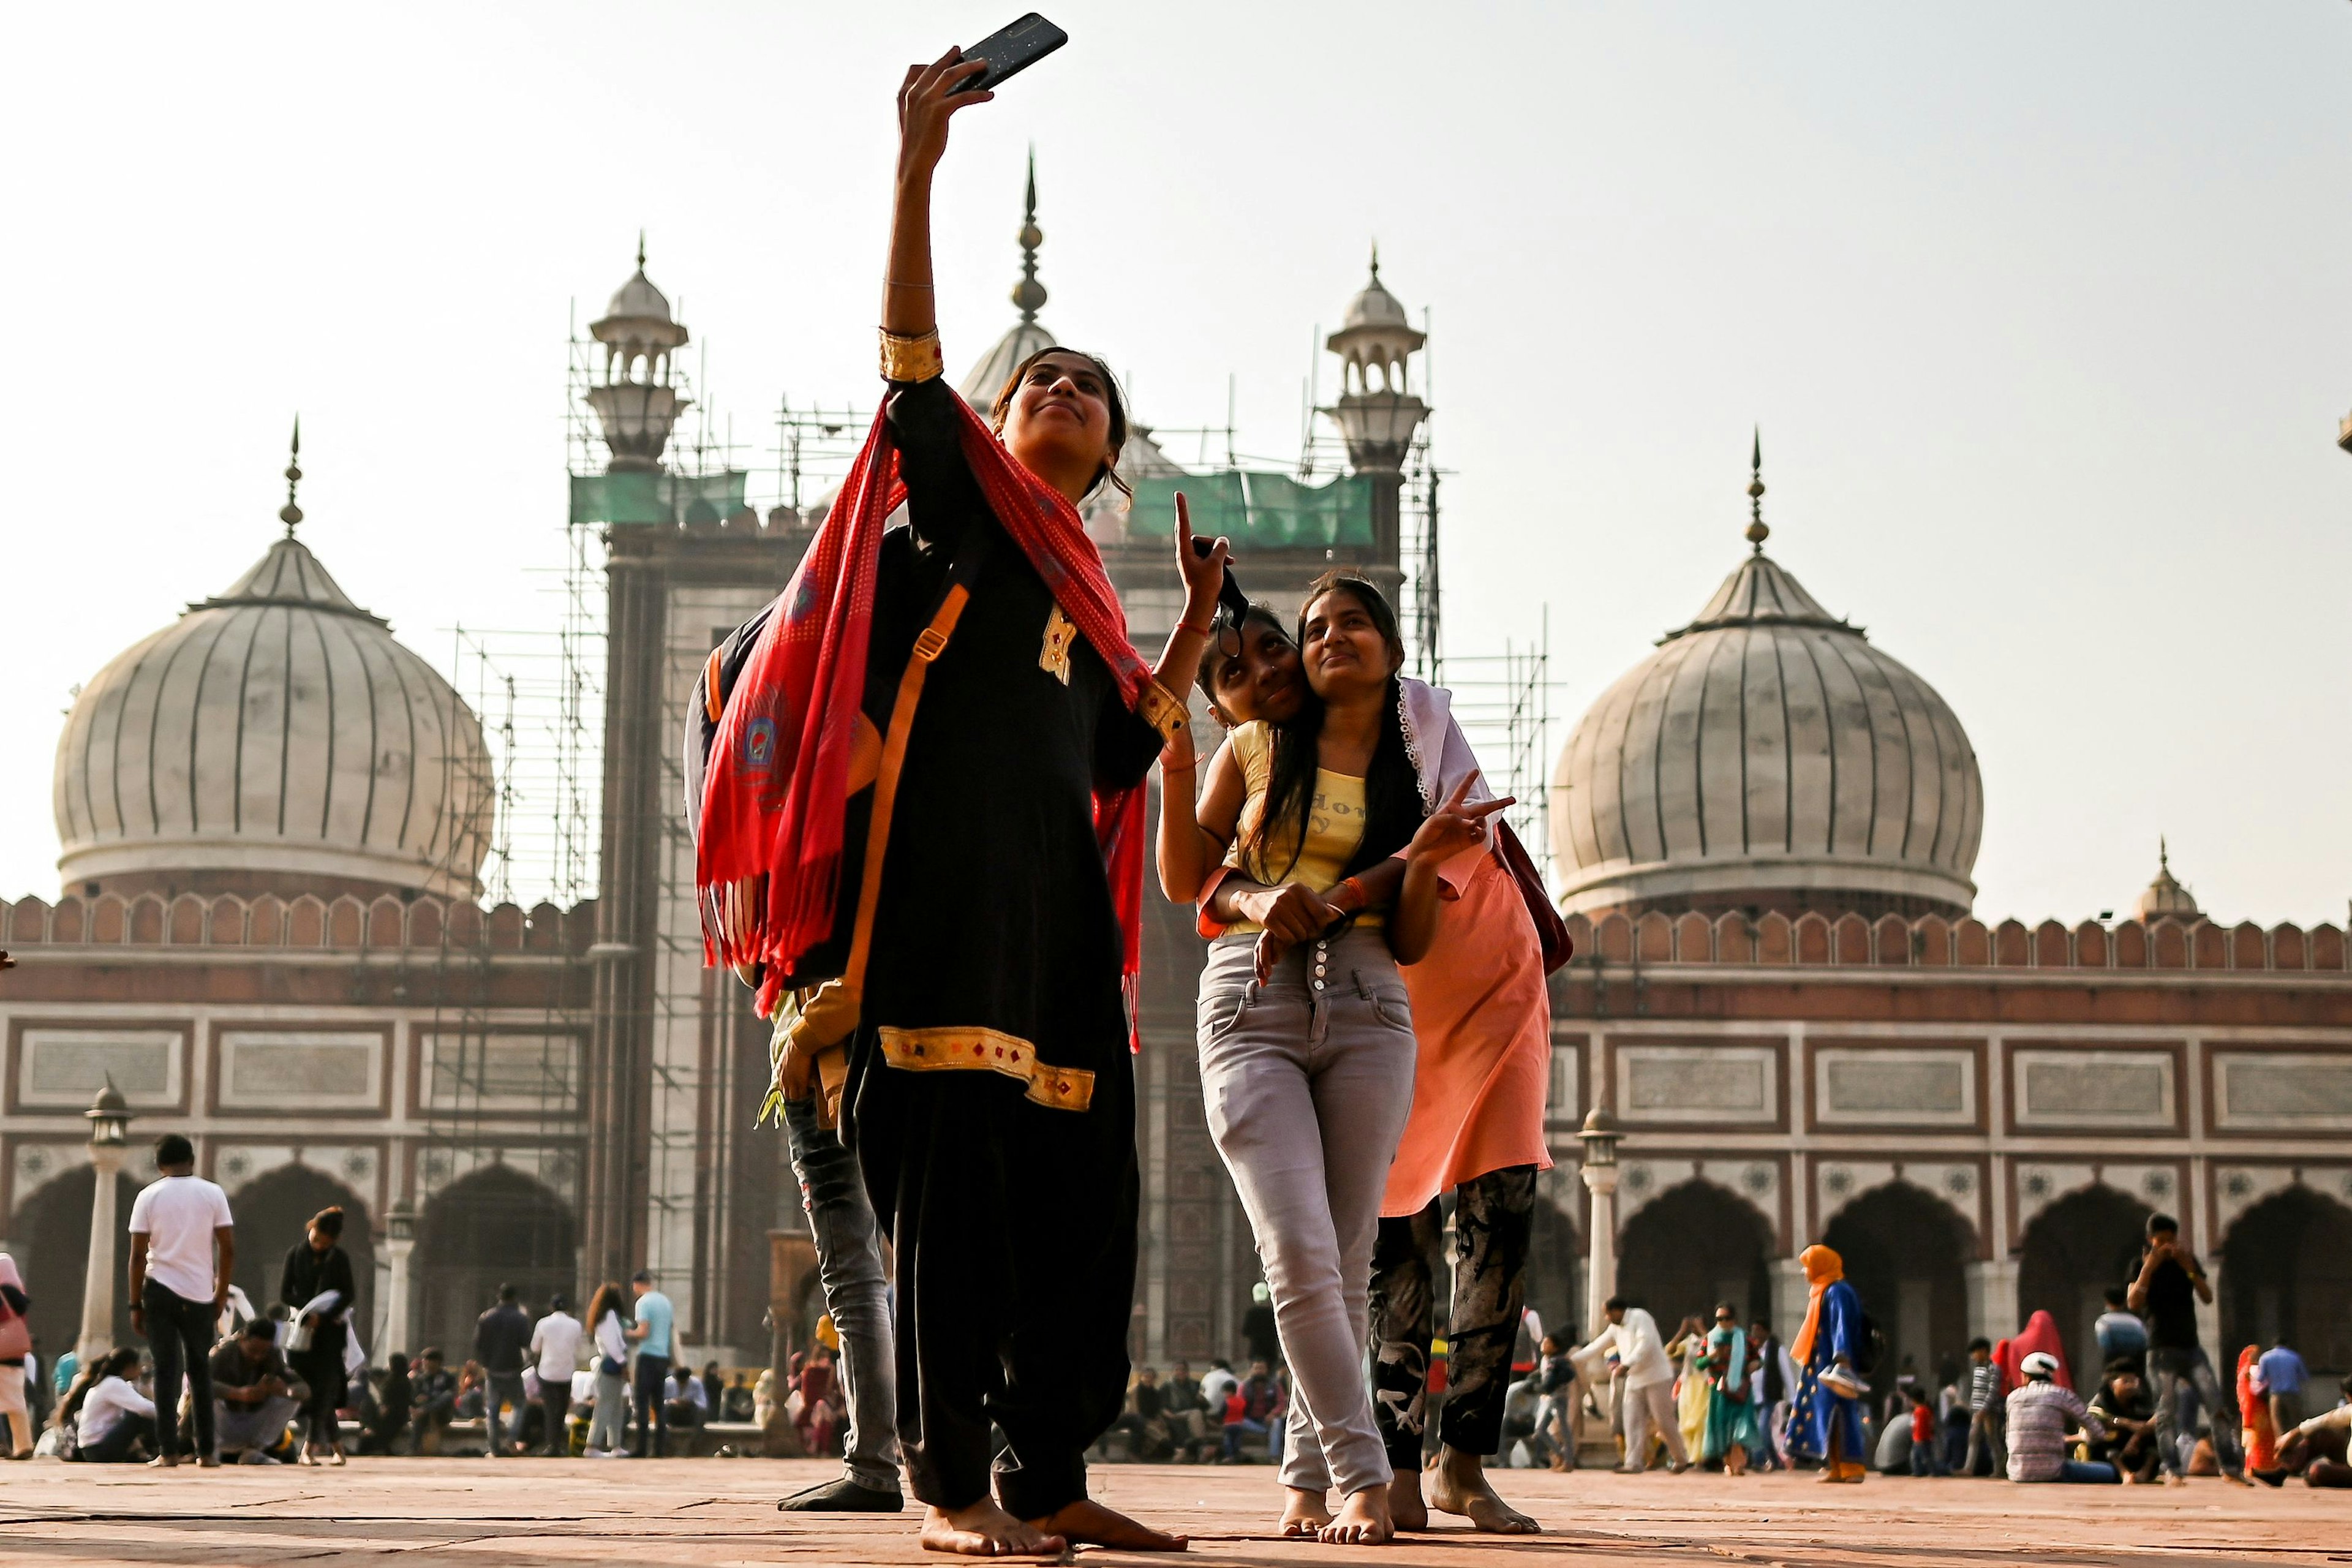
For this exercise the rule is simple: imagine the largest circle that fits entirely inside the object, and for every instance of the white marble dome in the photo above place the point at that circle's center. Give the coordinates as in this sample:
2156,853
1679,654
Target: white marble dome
275,731
1766,752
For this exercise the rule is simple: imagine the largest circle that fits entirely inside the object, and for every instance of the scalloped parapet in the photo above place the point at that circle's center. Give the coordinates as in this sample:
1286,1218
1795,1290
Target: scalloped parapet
348,924
1931,942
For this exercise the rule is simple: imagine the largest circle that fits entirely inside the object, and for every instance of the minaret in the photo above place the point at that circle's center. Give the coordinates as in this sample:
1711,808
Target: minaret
1377,412
635,402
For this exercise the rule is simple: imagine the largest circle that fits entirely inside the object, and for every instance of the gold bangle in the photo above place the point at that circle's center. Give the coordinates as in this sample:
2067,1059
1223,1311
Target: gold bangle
912,359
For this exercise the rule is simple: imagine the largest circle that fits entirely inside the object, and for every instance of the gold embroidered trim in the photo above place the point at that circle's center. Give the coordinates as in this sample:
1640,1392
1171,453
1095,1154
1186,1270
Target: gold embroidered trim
1162,708
969,1048
912,359
1054,658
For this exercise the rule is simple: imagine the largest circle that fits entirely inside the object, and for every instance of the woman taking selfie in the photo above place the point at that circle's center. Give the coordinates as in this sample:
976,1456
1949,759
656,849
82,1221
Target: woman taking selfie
973,669
1307,1042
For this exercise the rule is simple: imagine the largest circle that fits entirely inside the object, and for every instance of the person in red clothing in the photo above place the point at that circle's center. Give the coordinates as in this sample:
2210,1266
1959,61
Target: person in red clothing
1927,1458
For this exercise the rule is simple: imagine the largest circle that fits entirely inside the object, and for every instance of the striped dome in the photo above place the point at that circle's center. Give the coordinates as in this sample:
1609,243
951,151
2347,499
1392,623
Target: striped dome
276,729
1767,752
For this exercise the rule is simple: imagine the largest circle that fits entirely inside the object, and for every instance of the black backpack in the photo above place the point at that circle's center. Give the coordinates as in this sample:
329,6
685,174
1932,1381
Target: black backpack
1869,1345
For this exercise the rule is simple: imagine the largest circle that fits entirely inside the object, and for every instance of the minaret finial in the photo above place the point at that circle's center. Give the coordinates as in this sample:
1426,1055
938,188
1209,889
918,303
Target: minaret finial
1758,533
641,250
2163,856
1376,261
1029,294
289,514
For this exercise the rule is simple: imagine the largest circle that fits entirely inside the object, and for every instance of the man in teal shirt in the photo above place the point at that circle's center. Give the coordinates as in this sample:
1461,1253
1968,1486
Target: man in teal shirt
654,1316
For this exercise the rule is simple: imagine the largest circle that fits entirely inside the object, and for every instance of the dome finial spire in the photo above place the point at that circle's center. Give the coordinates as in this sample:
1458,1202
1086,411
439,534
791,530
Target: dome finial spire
2163,855
1029,294
289,514
641,250
1758,532
1376,261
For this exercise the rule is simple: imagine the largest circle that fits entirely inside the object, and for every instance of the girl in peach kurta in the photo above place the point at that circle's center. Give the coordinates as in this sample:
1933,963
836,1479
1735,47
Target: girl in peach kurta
1482,1023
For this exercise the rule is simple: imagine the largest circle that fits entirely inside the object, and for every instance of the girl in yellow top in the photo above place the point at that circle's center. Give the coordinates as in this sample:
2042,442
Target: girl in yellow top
1306,1043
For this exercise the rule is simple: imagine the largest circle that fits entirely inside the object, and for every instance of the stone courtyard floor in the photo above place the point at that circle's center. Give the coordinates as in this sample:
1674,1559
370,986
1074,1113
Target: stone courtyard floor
713,1513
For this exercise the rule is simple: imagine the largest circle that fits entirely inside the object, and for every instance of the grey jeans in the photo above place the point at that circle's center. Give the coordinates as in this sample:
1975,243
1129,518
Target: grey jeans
856,1294
1307,1080
1650,1408
608,1428
2169,1368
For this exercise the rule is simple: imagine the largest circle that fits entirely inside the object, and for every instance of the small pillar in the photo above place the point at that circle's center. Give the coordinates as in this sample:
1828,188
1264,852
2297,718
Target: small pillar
109,1128
400,1247
1992,1298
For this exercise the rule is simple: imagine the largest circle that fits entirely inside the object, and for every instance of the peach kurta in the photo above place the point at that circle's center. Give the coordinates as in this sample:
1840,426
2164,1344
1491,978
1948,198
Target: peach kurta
1482,1017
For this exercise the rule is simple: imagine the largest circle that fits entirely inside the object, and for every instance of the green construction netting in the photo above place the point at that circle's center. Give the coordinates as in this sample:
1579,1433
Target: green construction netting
1270,510
659,500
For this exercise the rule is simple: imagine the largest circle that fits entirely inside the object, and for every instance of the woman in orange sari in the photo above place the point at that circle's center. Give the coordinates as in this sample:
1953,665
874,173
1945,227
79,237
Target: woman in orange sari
2254,1414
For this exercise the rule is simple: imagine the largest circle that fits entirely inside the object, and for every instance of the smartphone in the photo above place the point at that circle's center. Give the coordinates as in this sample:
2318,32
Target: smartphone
1014,50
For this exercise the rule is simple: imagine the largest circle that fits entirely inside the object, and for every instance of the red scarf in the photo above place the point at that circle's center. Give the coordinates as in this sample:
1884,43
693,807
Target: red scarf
768,858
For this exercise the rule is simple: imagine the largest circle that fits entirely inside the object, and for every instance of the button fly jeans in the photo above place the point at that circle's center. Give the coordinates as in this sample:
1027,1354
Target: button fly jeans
1308,1079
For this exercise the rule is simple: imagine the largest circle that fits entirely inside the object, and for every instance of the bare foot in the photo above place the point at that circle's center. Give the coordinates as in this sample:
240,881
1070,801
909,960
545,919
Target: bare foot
1362,1521
1460,1485
1091,1524
1406,1510
1305,1514
985,1529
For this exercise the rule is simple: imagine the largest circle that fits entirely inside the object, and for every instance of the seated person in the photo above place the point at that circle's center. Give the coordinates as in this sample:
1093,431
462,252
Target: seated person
2316,1447
1143,1420
736,1405
395,1395
433,1400
473,1391
2125,1409
115,1423
683,1401
2039,1410
255,1395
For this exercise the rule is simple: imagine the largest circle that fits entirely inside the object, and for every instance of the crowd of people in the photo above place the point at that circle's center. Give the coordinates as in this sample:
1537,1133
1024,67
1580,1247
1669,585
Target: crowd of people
1724,1397
224,1381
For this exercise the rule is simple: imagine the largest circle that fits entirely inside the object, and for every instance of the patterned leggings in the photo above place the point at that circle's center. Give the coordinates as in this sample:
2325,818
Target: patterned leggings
1494,1221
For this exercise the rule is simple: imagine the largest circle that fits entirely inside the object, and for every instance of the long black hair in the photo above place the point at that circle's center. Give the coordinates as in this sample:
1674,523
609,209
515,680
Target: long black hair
1393,808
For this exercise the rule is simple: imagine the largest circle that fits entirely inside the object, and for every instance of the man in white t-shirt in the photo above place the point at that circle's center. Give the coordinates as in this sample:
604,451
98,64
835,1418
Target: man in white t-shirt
555,1346
1632,1333
182,1249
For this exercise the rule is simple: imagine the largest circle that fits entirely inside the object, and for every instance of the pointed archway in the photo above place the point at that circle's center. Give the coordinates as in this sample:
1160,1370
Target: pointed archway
1904,1251
2071,1254
494,1226
1691,1247
50,1233
2286,1277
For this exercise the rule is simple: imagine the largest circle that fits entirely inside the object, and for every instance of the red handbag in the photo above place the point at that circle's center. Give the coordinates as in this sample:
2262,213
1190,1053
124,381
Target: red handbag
15,1339
1551,931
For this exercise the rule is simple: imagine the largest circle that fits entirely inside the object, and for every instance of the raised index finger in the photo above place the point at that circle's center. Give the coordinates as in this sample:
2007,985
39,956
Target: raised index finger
1183,524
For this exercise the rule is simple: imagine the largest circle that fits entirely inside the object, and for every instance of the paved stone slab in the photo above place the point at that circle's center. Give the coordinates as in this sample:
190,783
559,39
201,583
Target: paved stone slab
715,1513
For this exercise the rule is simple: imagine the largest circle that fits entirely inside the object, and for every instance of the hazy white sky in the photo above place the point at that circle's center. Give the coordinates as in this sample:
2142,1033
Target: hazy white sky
2043,309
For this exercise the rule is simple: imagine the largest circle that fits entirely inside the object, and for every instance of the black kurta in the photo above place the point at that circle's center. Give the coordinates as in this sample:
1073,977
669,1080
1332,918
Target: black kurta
308,1275
1013,1209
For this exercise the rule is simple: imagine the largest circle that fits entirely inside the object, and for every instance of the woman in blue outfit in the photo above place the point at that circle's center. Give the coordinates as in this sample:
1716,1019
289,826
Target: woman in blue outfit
1825,1418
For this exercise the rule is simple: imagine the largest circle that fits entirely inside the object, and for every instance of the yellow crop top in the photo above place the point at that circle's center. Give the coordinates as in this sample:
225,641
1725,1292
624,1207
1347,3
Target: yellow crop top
1335,825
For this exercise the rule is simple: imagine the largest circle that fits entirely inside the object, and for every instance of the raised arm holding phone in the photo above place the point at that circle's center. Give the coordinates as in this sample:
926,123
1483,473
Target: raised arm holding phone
922,833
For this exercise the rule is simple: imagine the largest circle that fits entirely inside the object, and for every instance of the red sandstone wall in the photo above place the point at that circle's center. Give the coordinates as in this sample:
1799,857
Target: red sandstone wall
1931,942
268,921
